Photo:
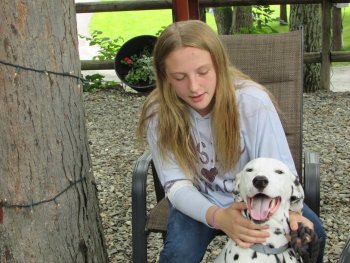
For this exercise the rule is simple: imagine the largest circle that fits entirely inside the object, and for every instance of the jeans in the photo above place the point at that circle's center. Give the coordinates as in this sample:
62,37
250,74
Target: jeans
188,239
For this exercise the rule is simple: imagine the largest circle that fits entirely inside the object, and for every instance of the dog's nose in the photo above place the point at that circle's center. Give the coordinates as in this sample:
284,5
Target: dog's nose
260,182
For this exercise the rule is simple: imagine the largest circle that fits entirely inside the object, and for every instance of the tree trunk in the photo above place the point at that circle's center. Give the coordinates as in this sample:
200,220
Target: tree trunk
48,200
230,21
337,29
283,15
202,14
308,16
223,19
242,19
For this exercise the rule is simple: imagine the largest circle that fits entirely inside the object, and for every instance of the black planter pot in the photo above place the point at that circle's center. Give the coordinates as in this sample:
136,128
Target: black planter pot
133,46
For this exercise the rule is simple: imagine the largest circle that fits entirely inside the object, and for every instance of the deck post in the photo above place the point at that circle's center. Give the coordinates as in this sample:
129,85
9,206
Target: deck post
326,45
185,10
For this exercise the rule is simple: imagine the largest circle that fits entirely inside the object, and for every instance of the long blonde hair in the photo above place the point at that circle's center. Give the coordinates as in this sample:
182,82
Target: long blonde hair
174,126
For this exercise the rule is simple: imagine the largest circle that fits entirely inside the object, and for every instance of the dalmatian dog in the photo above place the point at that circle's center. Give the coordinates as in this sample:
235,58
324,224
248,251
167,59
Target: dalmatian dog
270,190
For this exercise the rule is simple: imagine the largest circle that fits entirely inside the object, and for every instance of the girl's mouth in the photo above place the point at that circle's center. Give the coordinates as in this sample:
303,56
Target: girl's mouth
197,98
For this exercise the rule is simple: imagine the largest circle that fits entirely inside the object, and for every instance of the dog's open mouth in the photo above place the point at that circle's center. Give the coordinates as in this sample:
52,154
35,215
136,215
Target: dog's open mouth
261,207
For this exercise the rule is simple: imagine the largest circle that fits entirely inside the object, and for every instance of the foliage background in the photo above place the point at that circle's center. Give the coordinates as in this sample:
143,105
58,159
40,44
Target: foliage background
128,24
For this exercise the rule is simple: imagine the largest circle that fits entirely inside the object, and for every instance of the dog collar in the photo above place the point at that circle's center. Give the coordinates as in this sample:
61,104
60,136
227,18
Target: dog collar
269,250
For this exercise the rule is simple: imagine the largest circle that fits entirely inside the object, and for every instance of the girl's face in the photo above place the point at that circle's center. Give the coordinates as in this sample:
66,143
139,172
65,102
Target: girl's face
191,72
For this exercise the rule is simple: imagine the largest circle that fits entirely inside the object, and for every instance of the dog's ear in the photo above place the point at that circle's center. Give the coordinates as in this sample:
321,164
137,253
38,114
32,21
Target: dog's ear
297,196
236,191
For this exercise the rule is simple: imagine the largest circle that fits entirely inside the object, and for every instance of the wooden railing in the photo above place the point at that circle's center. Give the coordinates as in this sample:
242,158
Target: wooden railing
325,57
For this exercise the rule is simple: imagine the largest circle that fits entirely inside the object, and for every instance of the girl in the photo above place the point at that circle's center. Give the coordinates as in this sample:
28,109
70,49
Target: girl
204,121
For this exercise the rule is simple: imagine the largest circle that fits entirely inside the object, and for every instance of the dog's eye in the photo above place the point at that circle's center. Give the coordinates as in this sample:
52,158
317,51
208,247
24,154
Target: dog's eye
249,170
279,172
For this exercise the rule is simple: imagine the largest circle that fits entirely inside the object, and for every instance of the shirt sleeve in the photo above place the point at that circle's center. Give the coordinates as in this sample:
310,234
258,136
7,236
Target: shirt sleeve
187,199
181,192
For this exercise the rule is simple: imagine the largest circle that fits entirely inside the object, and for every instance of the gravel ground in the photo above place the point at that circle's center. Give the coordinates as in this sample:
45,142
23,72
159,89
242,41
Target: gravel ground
111,122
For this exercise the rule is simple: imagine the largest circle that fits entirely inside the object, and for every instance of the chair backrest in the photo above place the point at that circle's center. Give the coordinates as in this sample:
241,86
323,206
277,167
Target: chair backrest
275,61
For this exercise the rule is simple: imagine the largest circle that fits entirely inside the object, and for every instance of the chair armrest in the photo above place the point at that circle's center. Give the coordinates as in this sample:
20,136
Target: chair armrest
139,210
312,181
139,184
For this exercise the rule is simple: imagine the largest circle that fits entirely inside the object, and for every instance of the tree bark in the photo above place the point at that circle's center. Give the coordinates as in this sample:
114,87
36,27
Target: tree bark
283,15
48,200
223,19
202,15
233,20
337,30
242,19
309,17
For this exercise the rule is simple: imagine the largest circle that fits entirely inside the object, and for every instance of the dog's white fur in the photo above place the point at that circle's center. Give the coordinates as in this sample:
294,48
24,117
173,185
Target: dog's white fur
278,181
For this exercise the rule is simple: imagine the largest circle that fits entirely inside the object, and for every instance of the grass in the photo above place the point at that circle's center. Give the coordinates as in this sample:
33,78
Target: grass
128,24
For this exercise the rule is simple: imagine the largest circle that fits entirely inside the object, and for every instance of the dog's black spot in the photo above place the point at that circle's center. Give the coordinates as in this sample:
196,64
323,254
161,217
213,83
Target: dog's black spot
278,231
255,255
235,257
277,259
270,246
292,196
296,182
294,199
236,190
282,220
291,254
279,171
245,212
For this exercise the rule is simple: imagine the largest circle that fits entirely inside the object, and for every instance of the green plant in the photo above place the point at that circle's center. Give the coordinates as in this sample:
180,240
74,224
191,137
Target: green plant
108,47
141,71
94,82
263,17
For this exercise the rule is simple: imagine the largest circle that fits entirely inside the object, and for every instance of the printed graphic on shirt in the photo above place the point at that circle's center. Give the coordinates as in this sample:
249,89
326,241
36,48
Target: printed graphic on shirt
225,186
206,172
206,182
210,174
203,156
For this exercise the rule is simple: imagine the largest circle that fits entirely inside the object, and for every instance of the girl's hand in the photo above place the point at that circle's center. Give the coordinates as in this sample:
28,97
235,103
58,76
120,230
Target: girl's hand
295,218
237,227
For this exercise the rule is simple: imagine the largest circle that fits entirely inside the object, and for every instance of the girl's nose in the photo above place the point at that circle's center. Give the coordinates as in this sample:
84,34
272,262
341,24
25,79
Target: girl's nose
193,83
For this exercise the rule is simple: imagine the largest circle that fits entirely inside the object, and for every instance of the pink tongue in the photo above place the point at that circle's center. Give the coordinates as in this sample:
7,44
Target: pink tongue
260,209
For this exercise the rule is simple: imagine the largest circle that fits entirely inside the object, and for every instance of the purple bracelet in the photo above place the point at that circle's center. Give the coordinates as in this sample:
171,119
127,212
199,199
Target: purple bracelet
213,217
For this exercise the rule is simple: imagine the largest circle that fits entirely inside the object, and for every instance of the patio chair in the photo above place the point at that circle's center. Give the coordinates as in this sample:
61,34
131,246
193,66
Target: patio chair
274,60
345,255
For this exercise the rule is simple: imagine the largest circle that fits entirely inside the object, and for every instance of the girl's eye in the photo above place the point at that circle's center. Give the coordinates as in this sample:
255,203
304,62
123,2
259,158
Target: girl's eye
203,72
178,77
